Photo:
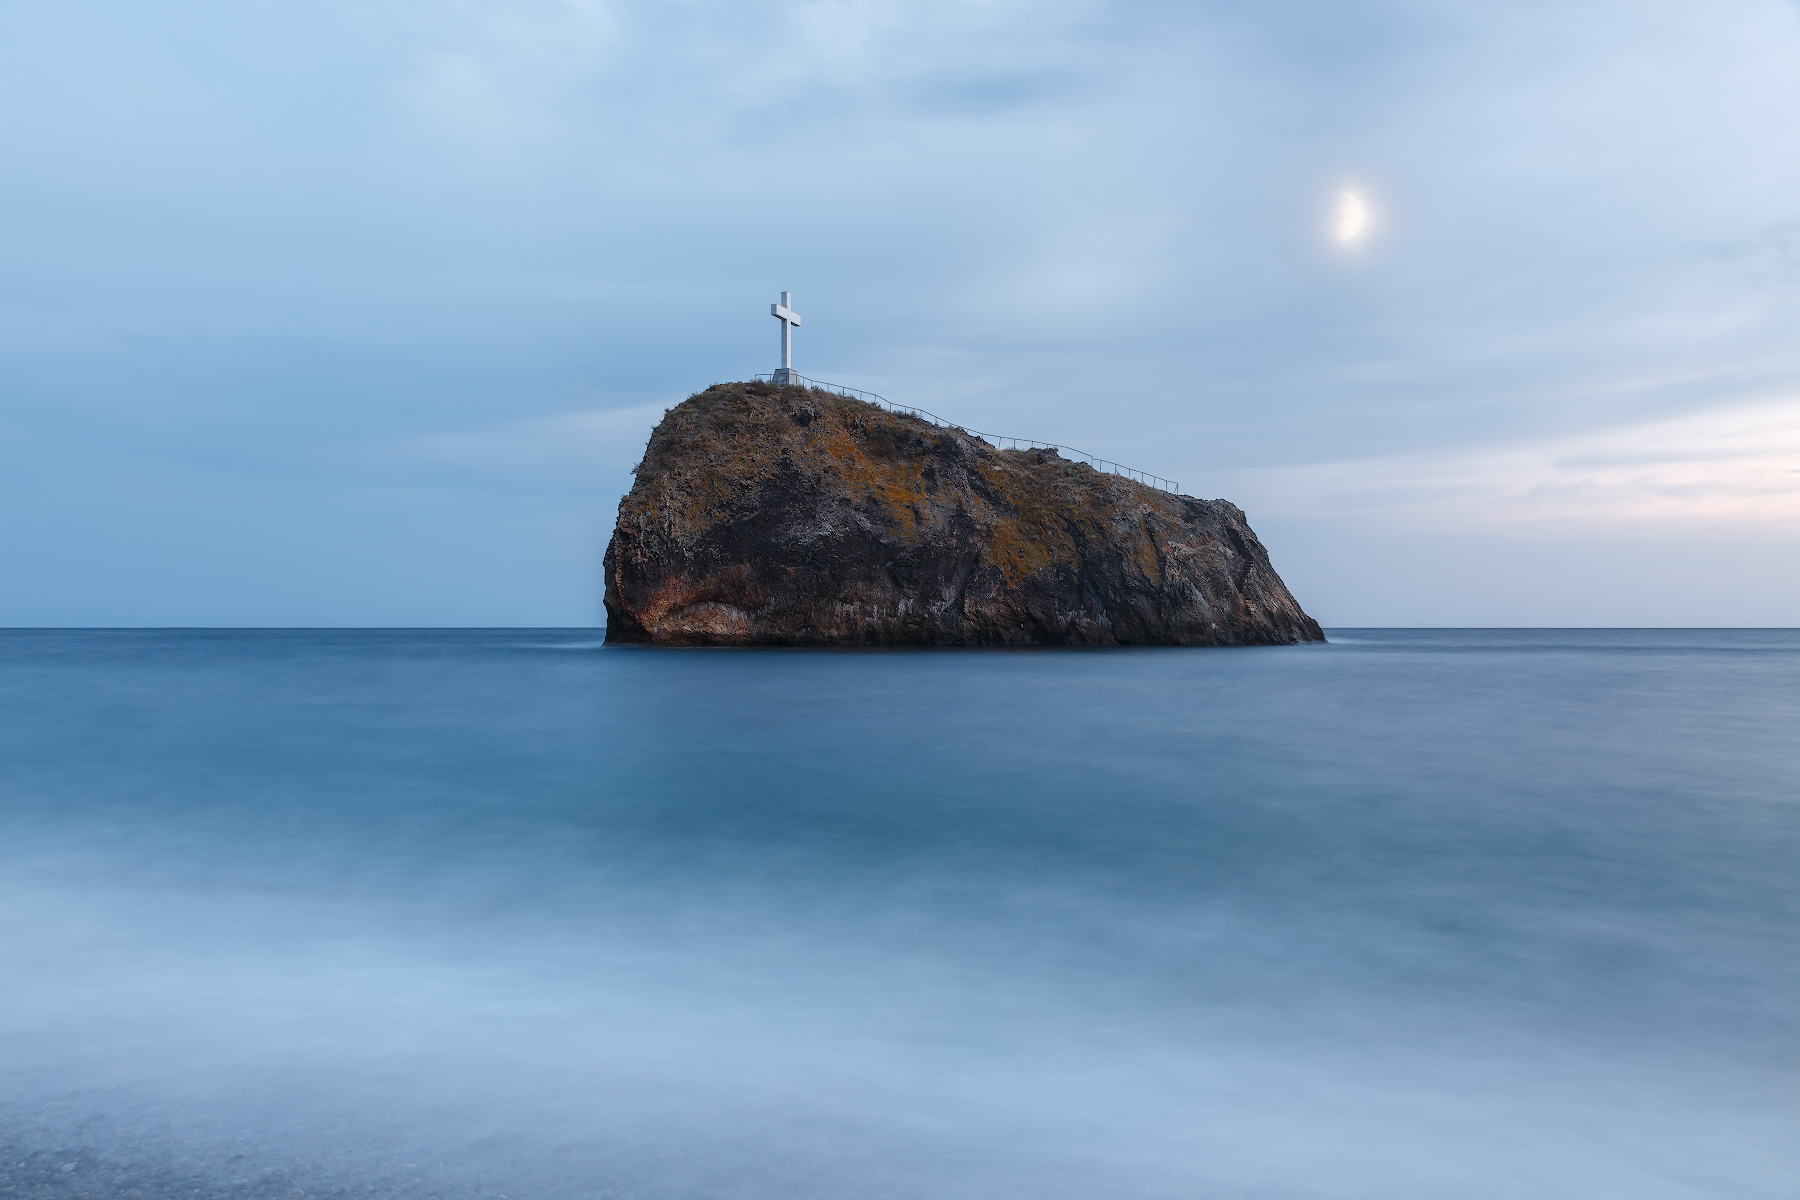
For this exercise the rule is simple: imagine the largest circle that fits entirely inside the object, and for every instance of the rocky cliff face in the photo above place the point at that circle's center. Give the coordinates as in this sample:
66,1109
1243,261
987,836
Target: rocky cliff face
791,517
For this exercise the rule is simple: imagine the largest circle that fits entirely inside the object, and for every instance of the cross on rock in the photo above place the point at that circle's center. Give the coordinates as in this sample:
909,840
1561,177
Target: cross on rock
788,318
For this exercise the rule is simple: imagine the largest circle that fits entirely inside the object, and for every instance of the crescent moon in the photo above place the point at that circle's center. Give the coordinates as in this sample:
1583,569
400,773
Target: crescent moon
1352,216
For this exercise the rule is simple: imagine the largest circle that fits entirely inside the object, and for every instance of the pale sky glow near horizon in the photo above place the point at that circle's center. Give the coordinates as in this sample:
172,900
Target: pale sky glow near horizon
359,314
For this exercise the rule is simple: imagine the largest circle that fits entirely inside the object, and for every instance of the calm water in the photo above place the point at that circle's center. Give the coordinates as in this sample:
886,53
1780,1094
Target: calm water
1415,914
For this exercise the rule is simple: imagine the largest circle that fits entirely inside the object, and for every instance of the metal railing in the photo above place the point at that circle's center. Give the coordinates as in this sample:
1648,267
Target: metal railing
993,439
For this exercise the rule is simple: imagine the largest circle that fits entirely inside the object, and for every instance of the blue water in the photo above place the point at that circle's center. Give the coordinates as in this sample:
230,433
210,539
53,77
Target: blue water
479,913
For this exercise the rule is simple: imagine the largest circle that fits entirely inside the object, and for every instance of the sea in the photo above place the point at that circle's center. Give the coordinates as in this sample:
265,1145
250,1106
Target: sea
1411,915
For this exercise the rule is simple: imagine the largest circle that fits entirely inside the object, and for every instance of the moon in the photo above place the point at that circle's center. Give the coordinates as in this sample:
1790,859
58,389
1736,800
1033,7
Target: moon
1352,217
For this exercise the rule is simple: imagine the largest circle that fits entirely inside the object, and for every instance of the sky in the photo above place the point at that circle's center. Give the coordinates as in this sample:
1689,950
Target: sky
360,313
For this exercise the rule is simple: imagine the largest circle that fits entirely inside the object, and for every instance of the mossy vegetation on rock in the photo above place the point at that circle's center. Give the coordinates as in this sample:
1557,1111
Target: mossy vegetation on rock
794,517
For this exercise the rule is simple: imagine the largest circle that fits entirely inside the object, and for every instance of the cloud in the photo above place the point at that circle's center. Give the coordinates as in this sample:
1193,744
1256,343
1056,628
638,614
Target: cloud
1738,467
506,71
384,240
568,453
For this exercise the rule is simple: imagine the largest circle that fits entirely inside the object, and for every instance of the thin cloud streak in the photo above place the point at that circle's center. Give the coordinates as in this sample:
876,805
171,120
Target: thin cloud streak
1735,467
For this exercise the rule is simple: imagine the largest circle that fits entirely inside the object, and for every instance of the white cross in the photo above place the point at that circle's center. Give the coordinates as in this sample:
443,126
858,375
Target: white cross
789,318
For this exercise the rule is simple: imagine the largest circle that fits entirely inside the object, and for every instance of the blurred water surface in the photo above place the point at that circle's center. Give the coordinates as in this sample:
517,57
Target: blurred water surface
482,913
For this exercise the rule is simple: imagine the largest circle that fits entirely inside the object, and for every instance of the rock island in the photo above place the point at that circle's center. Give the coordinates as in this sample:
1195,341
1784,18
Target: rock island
788,516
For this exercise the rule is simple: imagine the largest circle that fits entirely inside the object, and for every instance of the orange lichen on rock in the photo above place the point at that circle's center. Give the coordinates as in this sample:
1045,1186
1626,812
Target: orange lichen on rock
789,516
